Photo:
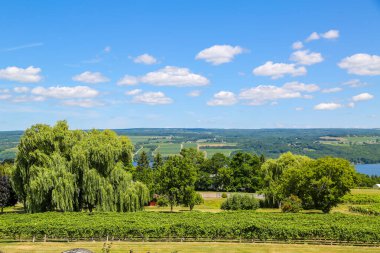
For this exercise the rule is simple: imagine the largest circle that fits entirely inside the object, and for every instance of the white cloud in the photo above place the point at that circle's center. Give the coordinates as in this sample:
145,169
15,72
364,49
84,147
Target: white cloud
277,70
27,75
362,97
297,45
90,77
107,49
4,90
167,76
223,98
21,89
299,109
313,36
152,98
331,34
264,93
305,57
62,92
5,96
355,83
24,98
133,92
219,54
297,86
86,103
145,59
128,80
361,64
327,106
332,90
194,93
351,105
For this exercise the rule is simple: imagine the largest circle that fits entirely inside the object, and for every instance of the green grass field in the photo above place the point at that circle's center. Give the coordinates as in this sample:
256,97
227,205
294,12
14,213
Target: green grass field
190,145
212,151
169,247
350,140
167,149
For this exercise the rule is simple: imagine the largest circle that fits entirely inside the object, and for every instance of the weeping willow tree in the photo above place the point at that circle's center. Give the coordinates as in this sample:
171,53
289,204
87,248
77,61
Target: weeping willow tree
60,169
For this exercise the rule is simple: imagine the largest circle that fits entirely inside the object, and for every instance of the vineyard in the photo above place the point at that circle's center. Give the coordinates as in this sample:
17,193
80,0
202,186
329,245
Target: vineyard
368,210
190,226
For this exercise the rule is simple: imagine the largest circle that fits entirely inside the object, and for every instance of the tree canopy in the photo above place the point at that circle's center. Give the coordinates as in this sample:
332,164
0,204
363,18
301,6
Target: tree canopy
61,169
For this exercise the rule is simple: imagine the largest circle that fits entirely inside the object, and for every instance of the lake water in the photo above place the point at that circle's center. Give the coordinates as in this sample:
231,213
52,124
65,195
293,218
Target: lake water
369,169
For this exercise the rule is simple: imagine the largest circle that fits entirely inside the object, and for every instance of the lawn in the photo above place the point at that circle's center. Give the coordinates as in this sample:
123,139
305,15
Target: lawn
168,247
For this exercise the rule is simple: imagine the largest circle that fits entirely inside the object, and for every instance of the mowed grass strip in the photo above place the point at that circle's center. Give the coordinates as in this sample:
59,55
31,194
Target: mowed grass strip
191,247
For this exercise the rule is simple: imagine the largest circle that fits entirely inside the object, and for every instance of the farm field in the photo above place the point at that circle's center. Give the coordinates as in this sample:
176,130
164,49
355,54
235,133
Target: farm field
212,151
143,247
167,149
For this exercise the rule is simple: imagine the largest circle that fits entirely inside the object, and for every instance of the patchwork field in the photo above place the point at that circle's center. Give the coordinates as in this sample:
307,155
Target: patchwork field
349,140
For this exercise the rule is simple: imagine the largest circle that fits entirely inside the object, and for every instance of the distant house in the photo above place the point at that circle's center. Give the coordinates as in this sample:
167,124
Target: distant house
376,186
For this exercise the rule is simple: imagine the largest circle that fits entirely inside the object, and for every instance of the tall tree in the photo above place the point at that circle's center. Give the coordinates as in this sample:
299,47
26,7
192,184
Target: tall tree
174,177
60,169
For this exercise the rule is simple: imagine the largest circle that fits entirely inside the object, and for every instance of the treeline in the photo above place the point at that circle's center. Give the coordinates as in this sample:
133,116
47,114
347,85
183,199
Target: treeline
65,170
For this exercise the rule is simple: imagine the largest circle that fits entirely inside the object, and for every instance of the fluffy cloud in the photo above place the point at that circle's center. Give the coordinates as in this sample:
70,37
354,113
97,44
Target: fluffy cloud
361,64
313,36
223,98
86,103
331,34
168,76
28,75
297,45
332,90
305,57
327,106
133,92
219,54
355,83
152,98
24,98
21,89
277,70
90,77
194,93
297,86
264,93
128,80
362,97
62,92
4,96
145,59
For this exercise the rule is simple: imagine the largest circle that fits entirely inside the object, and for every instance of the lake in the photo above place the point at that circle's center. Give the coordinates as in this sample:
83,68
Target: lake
369,169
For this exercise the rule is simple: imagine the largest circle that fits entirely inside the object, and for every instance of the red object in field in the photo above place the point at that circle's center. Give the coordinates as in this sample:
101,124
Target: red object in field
152,203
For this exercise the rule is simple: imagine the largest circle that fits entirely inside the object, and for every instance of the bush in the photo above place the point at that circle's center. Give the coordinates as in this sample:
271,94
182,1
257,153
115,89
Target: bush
162,201
224,195
292,204
240,202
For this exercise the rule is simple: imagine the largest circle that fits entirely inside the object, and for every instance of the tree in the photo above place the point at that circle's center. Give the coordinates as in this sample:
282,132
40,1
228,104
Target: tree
7,195
320,184
60,169
191,197
174,177
245,169
143,172
271,172
157,161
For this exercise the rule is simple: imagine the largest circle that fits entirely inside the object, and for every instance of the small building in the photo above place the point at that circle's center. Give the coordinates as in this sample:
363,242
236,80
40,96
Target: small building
376,186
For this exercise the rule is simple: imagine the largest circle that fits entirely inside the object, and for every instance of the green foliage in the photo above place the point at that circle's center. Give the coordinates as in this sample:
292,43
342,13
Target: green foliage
246,225
224,195
292,204
320,183
60,169
368,210
163,201
360,199
240,202
174,177
191,198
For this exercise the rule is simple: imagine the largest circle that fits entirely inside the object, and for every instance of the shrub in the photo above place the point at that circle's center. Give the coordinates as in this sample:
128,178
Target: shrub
162,201
224,195
240,202
292,204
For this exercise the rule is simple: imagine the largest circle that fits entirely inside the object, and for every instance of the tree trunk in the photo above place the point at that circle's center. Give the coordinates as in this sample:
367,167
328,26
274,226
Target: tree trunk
171,208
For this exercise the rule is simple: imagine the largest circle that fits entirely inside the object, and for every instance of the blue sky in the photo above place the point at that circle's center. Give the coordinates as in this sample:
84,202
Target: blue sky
209,64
